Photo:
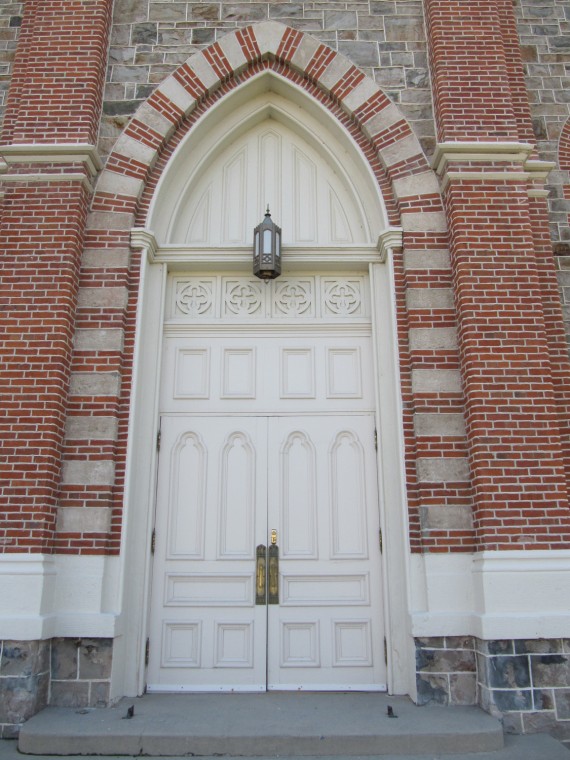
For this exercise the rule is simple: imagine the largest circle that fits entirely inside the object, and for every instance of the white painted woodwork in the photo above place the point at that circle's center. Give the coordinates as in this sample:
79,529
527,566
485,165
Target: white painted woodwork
267,422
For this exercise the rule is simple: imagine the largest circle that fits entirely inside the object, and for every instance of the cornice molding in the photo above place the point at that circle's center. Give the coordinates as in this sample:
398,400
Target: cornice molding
53,153
511,152
391,238
49,178
144,239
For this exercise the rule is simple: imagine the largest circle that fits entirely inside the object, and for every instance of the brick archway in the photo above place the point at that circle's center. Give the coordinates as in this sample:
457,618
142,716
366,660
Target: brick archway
394,153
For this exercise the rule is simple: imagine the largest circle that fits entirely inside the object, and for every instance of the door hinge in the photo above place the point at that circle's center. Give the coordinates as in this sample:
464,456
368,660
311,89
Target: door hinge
153,541
385,651
147,652
380,540
158,436
376,439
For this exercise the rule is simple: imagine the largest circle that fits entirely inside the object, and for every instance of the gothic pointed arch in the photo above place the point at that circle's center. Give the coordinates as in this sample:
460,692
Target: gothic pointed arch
409,187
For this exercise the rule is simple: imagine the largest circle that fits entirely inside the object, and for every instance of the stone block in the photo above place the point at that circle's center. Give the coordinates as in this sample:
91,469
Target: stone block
115,183
538,722
94,384
96,473
69,694
20,698
105,258
426,221
432,688
404,29
233,51
155,120
507,672
463,689
439,424
538,646
340,19
445,661
107,220
360,53
102,298
550,670
512,699
91,428
495,646
385,118
390,77
401,150
100,694
250,12
543,699
430,642
562,702
425,183
144,34
427,260
334,72
360,94
24,658
304,53
436,381
460,642
429,298
64,659
95,657
128,11
512,723
446,517
203,11
167,12
432,338
99,340
442,470
83,519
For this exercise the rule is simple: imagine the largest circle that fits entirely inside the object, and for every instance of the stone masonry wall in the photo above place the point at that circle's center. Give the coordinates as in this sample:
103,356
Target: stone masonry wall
10,21
63,672
386,39
524,683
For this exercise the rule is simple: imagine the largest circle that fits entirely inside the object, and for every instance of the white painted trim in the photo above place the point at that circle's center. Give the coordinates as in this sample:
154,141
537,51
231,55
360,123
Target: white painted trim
42,596
392,484
391,238
492,595
49,178
513,152
53,153
142,458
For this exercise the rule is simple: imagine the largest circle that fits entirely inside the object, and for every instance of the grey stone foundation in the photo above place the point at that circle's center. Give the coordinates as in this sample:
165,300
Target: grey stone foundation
524,683
62,672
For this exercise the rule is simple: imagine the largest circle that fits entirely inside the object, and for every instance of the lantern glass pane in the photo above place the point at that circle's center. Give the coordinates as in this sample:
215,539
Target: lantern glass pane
278,244
256,244
266,241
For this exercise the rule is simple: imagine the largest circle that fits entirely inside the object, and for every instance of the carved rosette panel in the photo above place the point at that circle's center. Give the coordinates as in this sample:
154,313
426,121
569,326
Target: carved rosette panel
194,298
243,298
293,298
343,297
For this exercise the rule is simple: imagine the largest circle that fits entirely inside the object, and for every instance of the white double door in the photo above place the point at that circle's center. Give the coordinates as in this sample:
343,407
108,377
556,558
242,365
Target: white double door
267,428
229,482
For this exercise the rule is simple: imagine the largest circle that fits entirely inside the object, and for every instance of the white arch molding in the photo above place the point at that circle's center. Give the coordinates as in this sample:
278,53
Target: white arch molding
183,235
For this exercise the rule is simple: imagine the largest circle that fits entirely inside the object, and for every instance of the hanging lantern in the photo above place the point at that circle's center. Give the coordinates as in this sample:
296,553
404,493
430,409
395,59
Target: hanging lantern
267,249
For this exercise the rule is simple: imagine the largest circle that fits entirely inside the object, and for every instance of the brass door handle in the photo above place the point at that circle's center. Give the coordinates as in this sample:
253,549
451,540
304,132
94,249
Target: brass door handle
260,575
273,591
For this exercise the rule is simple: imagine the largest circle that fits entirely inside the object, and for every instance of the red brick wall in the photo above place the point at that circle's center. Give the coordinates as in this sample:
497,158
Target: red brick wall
55,97
508,308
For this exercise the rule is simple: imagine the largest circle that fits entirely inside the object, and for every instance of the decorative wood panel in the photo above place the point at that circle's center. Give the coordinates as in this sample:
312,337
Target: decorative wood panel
181,645
186,517
214,589
237,502
352,644
348,497
300,645
234,645
192,373
299,494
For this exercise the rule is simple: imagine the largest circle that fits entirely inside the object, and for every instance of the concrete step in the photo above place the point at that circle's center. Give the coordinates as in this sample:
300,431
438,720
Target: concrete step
531,747
263,725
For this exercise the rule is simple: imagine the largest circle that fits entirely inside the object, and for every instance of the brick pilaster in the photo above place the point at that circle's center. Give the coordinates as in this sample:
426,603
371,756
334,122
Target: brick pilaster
51,125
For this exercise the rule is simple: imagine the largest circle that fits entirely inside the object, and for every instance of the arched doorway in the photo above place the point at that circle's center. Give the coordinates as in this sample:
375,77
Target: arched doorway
267,411
365,151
